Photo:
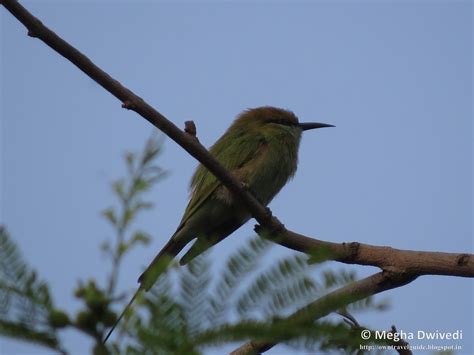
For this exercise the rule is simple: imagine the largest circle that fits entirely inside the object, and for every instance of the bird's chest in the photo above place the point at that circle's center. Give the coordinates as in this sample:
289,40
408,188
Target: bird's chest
265,173
277,167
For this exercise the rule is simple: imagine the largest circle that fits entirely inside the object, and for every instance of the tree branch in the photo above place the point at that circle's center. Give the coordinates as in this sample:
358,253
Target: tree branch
135,103
399,266
333,301
420,263
387,258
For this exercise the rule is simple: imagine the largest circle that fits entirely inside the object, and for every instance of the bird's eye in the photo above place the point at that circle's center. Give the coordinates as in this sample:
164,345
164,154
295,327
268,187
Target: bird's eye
282,122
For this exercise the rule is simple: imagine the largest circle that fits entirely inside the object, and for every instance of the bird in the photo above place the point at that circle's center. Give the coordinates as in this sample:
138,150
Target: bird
260,149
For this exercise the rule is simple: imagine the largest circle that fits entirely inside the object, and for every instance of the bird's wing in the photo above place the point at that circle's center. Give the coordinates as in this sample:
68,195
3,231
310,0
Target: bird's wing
233,154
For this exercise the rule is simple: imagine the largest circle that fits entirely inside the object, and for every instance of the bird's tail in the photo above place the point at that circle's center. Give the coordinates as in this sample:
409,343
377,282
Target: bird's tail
122,314
160,263
151,274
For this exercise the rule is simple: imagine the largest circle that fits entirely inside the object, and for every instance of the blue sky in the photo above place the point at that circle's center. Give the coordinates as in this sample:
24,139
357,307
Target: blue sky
394,77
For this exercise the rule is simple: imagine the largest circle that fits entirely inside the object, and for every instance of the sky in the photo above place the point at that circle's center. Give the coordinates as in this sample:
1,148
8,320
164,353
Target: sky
394,77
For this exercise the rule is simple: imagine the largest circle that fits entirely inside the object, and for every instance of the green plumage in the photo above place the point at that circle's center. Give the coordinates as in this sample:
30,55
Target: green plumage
260,149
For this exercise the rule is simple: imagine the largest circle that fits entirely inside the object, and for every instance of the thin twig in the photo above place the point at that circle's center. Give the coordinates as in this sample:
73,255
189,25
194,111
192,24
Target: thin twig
271,227
400,266
331,302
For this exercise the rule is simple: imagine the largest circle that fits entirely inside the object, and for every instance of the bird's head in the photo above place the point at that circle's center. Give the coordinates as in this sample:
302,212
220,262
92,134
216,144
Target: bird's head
273,121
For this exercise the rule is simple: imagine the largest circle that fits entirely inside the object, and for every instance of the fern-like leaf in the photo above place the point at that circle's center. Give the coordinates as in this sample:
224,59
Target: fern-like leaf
25,301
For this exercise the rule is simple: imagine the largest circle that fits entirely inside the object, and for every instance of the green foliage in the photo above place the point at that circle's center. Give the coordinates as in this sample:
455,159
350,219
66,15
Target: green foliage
26,308
190,308
142,174
96,316
265,294
194,294
166,328
198,313
238,268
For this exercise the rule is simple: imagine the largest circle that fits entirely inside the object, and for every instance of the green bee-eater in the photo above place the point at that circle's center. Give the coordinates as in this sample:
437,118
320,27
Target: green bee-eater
260,149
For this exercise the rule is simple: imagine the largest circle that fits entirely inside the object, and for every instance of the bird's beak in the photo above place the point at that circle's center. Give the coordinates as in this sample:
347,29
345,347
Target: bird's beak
312,125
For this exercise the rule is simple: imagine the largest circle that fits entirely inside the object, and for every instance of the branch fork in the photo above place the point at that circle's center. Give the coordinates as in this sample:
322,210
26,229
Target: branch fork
399,266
